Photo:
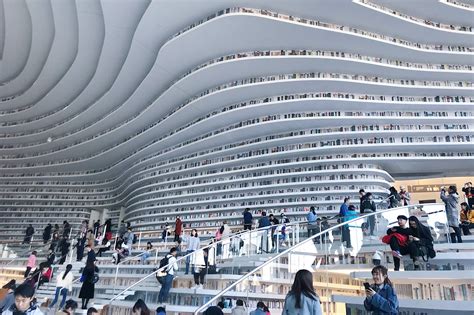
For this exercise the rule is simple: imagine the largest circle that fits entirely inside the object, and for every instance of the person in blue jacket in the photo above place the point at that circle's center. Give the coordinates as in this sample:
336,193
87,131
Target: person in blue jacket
381,297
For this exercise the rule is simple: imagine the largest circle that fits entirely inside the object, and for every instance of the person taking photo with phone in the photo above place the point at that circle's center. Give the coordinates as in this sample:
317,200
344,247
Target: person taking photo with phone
381,297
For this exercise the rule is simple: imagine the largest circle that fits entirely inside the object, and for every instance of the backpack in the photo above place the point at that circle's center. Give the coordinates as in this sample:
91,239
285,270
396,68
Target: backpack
135,239
160,276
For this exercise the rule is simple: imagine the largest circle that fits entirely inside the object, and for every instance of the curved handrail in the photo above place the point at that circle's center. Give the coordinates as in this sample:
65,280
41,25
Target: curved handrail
285,252
36,248
240,233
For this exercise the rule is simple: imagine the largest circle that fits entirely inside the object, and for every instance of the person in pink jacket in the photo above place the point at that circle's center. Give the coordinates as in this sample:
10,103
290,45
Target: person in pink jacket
31,263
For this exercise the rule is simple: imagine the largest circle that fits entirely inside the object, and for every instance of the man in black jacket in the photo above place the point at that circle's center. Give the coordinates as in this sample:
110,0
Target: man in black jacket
28,234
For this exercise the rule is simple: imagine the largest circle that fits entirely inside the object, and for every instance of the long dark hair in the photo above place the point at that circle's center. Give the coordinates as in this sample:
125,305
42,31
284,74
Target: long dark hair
384,271
140,305
68,268
303,284
421,231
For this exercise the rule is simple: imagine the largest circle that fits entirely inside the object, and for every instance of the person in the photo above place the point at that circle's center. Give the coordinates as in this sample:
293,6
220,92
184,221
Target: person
215,310
397,238
46,273
105,246
377,258
166,232
69,308
24,302
264,222
28,234
467,218
468,191
64,249
88,283
168,278
394,199
80,245
451,201
91,257
9,298
98,239
140,308
63,286
346,232
178,229
128,237
31,263
66,229
404,196
368,206
120,254
302,298
239,309
248,219
96,227
381,297
193,245
420,241
311,218
92,311
260,310
160,310
362,197
108,229
54,241
56,229
200,269
47,233
147,253
122,229
274,222
51,257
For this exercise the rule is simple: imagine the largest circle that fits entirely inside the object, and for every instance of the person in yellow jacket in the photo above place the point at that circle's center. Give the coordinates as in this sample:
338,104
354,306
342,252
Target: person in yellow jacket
467,218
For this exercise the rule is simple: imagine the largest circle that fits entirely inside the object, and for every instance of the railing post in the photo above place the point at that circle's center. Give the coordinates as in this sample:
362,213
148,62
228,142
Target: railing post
139,240
115,281
156,255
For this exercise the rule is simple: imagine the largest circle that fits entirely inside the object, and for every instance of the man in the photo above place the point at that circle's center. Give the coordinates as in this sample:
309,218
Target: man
468,190
23,302
51,257
368,206
361,197
47,233
274,222
215,310
128,237
96,227
168,278
178,229
29,234
399,240
248,218
264,221
311,218
66,229
404,196
92,311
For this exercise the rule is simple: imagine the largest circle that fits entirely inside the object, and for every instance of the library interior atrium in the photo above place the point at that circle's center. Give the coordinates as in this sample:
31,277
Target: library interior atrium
127,124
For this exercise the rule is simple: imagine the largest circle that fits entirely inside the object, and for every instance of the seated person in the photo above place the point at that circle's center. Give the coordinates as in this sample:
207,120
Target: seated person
105,246
397,238
467,218
46,274
120,254
420,241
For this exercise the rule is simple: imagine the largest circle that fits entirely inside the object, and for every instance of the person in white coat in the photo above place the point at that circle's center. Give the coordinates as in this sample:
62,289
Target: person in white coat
63,286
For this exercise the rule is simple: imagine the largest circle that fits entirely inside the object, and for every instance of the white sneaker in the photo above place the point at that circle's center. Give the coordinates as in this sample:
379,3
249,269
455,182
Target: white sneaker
195,286
200,286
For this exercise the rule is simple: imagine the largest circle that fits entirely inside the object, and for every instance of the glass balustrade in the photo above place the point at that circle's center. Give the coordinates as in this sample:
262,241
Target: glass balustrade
340,267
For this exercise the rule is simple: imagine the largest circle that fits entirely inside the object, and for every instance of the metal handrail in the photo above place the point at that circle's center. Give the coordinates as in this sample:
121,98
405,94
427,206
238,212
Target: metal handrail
38,248
271,260
249,232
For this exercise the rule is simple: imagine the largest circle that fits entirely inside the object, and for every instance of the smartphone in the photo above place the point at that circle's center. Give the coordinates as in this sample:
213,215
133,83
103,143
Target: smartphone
367,285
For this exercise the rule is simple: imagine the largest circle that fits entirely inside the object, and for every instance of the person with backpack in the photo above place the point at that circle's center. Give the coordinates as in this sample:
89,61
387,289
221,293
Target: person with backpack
368,206
169,262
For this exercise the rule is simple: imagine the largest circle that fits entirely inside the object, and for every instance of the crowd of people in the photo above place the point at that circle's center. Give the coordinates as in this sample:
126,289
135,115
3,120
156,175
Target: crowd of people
409,237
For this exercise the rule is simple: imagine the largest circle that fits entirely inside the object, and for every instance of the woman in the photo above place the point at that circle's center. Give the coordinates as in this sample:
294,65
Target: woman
420,241
88,284
302,299
467,218
381,297
147,253
193,245
31,263
140,308
394,198
451,201
63,285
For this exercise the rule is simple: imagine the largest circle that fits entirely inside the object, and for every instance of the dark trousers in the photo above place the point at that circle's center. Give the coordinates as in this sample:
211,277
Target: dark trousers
394,245
456,235
346,235
371,223
466,227
165,288
27,271
247,226
199,276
